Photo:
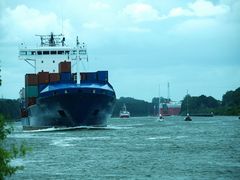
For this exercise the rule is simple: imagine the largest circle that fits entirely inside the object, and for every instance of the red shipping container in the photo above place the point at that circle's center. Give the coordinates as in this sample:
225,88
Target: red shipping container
43,77
31,79
64,67
54,77
31,101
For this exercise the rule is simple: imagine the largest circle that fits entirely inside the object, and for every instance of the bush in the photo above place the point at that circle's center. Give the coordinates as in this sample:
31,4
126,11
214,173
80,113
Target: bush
8,152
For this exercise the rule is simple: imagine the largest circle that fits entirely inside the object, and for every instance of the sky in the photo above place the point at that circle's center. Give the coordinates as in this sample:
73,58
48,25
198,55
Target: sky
192,44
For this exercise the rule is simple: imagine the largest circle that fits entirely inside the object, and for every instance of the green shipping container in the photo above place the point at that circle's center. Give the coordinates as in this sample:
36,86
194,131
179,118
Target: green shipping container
31,91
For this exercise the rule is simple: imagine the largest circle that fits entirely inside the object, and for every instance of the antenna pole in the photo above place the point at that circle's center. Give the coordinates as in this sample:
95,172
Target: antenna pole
159,91
187,101
78,59
168,86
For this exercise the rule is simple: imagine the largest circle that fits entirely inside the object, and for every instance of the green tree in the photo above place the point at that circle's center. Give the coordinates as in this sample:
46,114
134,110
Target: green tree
134,106
199,105
8,152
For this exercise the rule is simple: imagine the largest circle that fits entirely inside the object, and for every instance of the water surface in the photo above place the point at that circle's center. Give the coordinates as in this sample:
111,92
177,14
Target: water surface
135,148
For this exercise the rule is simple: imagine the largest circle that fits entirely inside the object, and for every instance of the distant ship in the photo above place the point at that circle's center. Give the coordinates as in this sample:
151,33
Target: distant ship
124,113
54,95
170,108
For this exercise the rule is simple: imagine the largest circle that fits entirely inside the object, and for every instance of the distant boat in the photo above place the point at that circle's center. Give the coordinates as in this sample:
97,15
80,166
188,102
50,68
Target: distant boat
188,117
160,117
124,113
169,107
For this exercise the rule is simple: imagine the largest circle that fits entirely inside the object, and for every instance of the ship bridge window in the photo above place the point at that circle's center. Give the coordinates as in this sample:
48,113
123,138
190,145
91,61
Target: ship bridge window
66,52
53,52
39,52
82,52
33,52
45,52
23,52
74,52
60,52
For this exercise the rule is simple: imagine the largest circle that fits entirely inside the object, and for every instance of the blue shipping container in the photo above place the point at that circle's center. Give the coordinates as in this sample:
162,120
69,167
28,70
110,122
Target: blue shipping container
102,76
65,77
41,87
91,76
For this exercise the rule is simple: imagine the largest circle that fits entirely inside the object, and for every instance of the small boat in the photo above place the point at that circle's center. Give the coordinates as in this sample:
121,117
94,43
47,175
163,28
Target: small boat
124,113
161,117
188,118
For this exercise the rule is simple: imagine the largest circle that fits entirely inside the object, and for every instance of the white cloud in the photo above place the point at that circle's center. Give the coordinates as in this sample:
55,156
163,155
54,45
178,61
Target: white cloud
91,25
195,26
200,8
141,12
23,20
99,6
138,29
180,12
206,8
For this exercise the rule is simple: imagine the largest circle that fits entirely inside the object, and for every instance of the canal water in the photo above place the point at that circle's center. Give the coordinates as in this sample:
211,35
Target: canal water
134,148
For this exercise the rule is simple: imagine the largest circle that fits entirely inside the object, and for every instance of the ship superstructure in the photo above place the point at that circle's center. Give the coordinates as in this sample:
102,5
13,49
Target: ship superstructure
57,93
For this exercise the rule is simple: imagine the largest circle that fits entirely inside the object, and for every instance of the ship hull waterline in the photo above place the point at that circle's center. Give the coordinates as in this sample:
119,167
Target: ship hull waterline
70,110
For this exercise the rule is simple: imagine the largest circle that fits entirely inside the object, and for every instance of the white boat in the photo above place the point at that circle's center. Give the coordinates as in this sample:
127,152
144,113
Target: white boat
124,113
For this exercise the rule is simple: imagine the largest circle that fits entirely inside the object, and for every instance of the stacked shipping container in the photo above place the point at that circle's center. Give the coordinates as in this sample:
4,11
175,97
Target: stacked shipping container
65,71
31,89
43,80
99,76
35,83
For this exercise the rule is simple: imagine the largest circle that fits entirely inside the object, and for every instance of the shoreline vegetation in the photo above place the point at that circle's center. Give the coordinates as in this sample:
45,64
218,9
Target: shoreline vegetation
9,151
198,105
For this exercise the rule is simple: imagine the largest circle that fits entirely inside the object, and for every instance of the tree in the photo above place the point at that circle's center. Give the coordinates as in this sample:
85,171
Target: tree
8,152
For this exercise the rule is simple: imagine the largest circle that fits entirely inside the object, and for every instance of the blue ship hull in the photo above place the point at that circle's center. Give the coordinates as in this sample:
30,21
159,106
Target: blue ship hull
70,106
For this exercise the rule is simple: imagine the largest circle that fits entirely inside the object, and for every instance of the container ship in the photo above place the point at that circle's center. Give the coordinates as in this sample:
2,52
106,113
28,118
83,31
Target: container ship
57,94
170,108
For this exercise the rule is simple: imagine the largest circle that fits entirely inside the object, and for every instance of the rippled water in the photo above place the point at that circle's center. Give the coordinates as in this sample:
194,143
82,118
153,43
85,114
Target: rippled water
135,148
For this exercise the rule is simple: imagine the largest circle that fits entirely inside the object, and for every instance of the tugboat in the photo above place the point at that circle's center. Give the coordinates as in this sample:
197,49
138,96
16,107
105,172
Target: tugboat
57,96
124,113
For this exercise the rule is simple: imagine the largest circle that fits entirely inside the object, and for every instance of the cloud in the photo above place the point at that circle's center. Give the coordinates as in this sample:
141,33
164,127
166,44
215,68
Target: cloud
200,8
195,26
141,12
180,12
99,6
18,23
91,25
138,29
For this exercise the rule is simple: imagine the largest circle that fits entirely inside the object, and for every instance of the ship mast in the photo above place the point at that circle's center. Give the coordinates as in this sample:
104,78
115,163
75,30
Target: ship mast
77,61
159,102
